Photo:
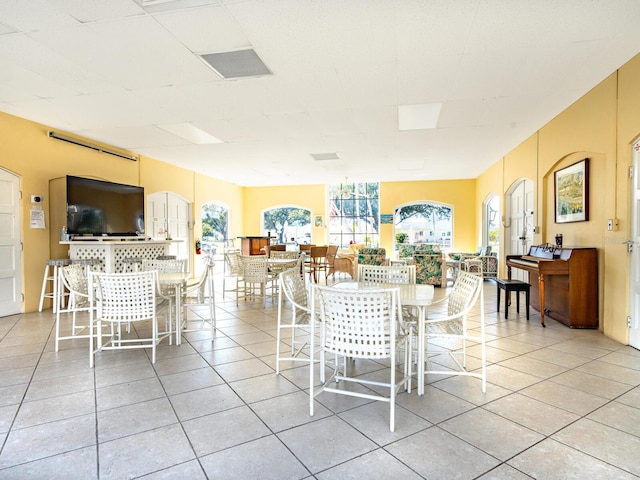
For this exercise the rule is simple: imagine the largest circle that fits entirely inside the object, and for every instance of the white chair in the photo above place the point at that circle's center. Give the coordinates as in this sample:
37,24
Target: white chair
254,277
278,262
166,293
200,294
452,324
167,265
386,274
119,299
357,324
73,279
232,270
294,289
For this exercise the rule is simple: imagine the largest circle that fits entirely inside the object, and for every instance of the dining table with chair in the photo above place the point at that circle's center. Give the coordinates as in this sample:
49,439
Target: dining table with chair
412,295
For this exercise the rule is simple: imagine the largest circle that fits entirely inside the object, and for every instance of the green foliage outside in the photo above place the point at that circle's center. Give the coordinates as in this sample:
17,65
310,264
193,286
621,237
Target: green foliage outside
278,221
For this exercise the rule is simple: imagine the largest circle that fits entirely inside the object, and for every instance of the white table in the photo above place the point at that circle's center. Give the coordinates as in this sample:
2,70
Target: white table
176,281
414,295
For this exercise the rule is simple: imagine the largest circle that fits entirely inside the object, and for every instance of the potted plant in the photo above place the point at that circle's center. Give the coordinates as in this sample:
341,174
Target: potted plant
401,237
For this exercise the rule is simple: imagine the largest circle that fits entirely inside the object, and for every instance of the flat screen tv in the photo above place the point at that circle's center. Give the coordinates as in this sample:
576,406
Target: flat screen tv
99,208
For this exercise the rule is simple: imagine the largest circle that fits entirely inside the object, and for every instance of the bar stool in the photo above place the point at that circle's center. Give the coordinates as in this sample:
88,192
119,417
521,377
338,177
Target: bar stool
131,264
52,276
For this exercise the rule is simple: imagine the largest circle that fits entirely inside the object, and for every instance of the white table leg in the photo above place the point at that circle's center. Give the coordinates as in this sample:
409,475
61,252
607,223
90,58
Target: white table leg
421,347
178,302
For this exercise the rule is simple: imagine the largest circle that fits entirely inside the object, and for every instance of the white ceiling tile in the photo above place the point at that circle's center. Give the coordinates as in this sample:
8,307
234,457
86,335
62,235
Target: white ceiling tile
205,30
109,71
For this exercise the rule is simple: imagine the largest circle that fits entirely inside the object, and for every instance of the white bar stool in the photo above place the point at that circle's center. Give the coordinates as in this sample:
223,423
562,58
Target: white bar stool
52,276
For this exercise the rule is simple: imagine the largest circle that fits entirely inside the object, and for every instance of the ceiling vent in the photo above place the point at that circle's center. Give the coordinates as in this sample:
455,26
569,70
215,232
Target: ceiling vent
236,64
323,157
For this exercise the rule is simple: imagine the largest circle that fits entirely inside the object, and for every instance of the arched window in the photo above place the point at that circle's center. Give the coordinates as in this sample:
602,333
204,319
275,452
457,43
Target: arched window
215,227
424,222
290,225
354,214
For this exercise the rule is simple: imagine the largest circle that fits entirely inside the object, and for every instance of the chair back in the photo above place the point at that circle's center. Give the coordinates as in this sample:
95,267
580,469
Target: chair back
284,254
165,266
232,264
305,247
269,249
293,286
254,268
358,323
318,254
74,279
125,297
332,251
397,274
464,294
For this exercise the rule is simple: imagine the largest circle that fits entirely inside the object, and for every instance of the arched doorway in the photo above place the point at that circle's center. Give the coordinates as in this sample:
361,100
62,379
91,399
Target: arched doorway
518,223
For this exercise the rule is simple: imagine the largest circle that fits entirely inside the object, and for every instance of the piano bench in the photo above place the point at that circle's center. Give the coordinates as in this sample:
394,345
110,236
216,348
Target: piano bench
513,286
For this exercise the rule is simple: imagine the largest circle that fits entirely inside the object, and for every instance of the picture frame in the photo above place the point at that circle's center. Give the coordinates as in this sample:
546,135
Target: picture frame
318,221
571,193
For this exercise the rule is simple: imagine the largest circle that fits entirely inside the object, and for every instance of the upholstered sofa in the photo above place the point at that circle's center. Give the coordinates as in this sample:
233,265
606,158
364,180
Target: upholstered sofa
430,263
372,256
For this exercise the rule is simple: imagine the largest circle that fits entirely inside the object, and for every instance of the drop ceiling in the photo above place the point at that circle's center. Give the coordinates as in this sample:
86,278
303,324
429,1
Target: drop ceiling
344,75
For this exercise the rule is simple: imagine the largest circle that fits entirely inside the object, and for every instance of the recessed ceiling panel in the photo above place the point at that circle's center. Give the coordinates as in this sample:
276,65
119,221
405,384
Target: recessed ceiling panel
236,64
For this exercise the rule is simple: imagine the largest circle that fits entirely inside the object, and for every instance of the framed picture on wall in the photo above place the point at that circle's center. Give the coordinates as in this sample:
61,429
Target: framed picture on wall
571,192
318,221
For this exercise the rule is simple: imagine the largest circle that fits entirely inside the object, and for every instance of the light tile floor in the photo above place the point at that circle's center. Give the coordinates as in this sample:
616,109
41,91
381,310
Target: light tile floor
560,403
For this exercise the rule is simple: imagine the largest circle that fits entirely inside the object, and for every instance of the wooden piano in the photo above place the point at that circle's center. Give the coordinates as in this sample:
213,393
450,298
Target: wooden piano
564,283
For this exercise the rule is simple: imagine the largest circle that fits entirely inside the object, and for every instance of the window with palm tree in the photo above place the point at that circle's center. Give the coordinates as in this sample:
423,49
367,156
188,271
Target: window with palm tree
290,225
424,222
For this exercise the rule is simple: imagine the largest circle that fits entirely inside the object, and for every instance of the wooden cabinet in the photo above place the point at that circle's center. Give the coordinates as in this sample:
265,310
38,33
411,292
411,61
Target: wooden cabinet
253,245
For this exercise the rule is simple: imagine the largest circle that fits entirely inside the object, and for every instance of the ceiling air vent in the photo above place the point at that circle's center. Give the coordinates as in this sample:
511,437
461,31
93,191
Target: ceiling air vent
322,157
236,64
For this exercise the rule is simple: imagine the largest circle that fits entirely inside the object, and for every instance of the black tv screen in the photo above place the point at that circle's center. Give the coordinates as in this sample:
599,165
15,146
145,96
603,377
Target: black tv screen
96,207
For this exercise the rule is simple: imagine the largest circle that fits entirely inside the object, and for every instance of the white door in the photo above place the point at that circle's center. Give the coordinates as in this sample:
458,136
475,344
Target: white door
179,222
169,215
520,230
156,219
634,294
10,245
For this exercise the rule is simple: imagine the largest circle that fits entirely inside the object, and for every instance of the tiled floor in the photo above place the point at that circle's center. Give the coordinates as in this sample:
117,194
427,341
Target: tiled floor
560,403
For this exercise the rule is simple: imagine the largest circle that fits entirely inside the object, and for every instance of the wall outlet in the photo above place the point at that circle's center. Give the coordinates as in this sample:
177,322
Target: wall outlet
612,224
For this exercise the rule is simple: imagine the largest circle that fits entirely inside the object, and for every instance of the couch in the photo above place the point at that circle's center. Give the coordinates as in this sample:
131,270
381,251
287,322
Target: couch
372,256
430,264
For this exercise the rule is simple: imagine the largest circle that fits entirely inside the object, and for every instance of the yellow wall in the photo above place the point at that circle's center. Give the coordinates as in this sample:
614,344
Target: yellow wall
258,199
600,126
460,194
27,151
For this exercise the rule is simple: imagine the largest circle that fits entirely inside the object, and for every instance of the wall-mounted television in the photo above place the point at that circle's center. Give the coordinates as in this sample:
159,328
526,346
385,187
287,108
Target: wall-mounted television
99,208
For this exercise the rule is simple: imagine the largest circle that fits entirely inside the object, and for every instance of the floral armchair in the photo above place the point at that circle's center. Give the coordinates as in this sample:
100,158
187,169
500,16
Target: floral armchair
430,265
372,256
